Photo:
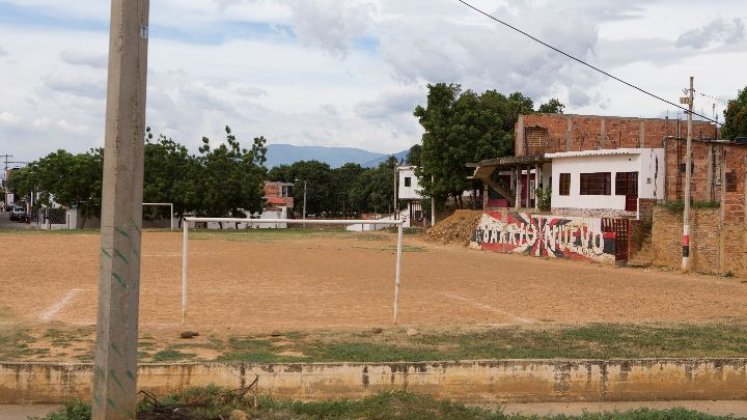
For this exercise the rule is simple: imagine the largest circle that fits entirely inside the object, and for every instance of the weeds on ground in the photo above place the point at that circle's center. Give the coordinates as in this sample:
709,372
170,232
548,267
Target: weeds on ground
214,403
595,341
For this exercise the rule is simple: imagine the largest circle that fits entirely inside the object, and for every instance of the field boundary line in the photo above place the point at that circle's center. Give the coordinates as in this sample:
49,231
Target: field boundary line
57,307
488,307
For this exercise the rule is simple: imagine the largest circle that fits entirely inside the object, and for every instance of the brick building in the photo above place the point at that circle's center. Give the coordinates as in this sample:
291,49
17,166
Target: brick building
278,194
537,134
606,167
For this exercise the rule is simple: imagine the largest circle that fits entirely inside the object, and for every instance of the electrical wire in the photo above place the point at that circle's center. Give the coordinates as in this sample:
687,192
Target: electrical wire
591,66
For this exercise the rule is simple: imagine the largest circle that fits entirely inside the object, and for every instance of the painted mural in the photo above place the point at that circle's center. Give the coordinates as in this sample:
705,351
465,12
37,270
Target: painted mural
545,236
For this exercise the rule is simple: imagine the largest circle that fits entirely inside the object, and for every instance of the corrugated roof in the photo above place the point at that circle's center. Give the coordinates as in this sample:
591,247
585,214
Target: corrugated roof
600,152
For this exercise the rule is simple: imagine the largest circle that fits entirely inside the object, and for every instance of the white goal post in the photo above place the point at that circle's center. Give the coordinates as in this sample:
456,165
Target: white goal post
171,211
185,246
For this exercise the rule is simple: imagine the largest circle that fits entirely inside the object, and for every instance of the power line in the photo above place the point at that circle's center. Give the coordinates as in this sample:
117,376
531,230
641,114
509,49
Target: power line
591,66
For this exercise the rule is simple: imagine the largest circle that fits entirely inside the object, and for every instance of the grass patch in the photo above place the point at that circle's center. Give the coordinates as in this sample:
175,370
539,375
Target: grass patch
214,403
679,206
595,341
171,355
14,345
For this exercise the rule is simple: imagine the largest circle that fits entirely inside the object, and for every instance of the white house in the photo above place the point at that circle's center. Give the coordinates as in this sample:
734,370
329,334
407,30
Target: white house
606,182
408,190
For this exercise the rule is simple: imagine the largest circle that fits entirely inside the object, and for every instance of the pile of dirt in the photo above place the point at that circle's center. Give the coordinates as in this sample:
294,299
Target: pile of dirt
457,228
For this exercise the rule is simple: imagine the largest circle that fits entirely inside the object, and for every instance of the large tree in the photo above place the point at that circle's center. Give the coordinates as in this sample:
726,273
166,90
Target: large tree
171,175
462,127
67,179
232,178
735,117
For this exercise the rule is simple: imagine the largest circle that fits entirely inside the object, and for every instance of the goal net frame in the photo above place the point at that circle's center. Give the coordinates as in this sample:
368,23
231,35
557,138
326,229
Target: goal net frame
249,222
171,212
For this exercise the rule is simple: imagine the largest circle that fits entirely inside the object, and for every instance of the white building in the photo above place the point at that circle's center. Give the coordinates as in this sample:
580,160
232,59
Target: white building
408,190
607,182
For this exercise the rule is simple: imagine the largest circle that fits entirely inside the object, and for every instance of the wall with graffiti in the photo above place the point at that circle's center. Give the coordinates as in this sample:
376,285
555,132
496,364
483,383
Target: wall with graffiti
545,236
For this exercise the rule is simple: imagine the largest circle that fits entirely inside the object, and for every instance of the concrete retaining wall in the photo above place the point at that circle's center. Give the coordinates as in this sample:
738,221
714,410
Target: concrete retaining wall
468,382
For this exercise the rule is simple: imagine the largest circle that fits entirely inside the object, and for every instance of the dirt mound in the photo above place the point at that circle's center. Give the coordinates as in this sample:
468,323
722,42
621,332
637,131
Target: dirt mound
456,228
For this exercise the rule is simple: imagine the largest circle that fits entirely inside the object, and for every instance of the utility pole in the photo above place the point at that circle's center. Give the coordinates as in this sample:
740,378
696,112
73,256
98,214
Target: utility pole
115,370
433,203
688,175
304,203
395,211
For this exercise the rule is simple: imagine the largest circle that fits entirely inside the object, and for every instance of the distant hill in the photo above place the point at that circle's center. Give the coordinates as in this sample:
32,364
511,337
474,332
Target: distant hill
287,154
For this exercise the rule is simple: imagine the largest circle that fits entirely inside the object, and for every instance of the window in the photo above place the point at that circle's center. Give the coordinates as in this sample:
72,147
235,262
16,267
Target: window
408,181
626,183
565,184
597,183
731,181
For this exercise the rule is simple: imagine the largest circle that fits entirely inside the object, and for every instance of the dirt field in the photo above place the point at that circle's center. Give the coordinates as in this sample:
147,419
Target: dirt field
240,283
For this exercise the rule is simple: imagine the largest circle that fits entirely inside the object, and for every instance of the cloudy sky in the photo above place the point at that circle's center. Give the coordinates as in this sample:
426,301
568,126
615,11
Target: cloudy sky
350,72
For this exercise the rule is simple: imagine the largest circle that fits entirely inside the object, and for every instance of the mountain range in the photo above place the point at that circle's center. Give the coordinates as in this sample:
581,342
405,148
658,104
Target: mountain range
287,154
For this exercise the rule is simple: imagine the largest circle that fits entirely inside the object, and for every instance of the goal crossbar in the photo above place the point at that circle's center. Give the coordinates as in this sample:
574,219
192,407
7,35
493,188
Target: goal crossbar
171,211
185,246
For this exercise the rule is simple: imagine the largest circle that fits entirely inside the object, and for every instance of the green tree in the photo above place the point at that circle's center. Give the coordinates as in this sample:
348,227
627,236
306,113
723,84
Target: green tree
462,127
413,156
553,106
67,179
232,177
317,178
735,117
171,175
344,179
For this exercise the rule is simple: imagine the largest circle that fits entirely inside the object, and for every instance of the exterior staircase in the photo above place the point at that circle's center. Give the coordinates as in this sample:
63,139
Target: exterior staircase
644,257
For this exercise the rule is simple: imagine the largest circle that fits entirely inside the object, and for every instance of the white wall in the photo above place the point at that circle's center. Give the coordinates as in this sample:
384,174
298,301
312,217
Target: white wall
651,176
411,192
643,163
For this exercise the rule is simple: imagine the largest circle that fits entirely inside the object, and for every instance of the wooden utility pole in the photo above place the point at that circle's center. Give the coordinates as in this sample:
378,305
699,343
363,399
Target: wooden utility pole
688,175
115,371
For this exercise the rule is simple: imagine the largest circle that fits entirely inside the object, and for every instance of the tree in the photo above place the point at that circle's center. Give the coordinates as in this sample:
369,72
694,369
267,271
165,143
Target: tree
462,127
344,179
67,179
735,117
413,156
232,178
553,106
317,178
171,175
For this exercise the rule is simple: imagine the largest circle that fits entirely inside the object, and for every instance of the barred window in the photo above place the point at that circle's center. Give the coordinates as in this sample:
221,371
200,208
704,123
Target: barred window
596,183
626,183
565,184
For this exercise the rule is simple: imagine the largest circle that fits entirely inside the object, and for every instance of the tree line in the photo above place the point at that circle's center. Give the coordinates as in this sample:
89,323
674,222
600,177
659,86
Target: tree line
223,180
460,126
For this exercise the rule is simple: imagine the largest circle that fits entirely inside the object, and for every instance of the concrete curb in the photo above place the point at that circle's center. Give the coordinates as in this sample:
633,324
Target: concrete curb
475,382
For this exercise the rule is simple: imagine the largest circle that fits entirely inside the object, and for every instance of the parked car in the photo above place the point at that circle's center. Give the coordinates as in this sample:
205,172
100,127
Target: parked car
18,214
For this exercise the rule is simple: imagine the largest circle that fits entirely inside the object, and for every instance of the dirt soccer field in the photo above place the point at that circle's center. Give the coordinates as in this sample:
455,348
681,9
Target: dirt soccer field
261,281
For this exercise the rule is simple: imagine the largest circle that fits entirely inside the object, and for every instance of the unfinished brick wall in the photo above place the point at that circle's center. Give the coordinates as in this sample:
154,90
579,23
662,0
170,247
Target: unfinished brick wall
715,247
704,239
718,174
569,132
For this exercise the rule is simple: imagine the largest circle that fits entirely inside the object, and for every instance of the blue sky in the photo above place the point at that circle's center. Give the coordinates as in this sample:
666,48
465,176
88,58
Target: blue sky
350,72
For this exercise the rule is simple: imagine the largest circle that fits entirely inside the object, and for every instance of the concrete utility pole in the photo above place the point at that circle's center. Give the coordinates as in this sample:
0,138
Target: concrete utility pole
395,211
115,371
433,204
688,175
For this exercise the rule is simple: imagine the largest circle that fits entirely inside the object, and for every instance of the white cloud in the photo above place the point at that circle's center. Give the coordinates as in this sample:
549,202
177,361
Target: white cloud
350,73
95,60
714,33
330,24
